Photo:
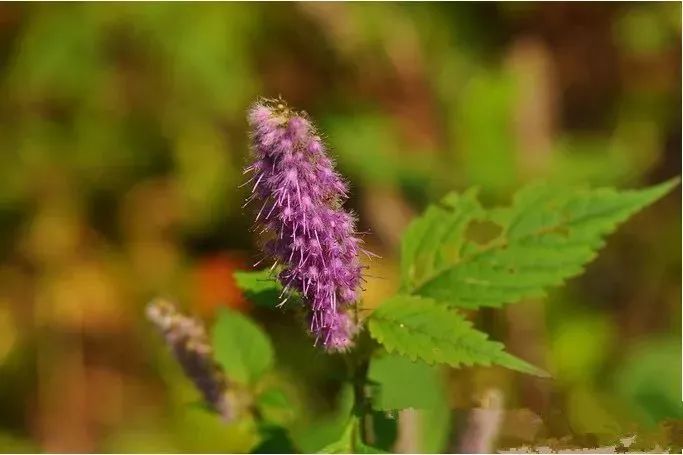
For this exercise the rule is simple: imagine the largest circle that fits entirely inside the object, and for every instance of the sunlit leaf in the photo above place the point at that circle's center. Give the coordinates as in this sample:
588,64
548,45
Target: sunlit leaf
350,441
241,347
400,383
259,287
547,236
420,328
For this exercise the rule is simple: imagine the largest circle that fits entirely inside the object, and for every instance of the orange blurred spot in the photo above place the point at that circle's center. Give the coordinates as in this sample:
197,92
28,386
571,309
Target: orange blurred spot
214,285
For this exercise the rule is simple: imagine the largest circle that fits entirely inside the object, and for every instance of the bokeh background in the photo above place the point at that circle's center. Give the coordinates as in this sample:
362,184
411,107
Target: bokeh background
123,135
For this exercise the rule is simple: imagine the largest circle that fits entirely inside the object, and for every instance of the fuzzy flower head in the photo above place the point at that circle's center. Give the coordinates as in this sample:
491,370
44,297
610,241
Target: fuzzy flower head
300,199
189,342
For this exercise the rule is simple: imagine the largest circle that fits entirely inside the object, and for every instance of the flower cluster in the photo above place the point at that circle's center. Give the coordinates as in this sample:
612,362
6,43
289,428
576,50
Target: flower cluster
188,340
311,236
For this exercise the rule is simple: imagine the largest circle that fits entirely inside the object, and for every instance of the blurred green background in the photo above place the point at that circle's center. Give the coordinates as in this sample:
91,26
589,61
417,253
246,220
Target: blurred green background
123,135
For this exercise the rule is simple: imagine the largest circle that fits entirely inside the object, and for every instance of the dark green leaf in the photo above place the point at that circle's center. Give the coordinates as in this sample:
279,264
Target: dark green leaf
259,287
274,439
384,429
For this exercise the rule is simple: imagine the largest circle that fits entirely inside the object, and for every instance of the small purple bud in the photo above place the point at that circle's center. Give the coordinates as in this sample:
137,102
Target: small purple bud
189,342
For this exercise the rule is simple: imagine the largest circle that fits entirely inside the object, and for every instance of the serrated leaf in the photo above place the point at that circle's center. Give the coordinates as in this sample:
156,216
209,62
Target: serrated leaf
548,235
400,383
420,328
350,441
436,238
259,287
241,347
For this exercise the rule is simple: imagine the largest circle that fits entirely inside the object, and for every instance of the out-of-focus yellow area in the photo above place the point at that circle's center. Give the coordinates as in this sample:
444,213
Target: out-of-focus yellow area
123,137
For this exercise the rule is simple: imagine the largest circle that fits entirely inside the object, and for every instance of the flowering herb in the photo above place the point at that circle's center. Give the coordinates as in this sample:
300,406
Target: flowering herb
188,340
547,235
309,233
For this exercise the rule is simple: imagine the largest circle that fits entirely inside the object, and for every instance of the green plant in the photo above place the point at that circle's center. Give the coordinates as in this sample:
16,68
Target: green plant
457,256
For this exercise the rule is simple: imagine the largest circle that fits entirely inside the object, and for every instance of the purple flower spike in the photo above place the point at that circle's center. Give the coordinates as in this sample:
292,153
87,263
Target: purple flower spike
300,197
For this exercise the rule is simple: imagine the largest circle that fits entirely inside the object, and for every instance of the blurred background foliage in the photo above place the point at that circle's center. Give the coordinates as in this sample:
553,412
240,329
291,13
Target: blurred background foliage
123,135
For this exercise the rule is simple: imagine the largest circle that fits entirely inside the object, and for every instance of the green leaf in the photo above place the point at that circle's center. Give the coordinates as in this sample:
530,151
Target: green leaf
350,441
274,439
648,379
384,429
436,238
436,427
548,235
241,347
274,405
317,432
273,398
400,383
420,328
259,287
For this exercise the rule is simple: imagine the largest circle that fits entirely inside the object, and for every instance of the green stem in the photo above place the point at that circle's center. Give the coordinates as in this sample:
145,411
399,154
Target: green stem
359,363
359,380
